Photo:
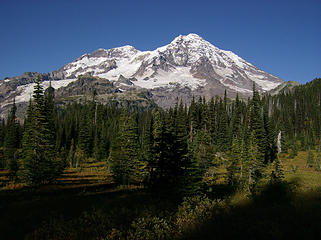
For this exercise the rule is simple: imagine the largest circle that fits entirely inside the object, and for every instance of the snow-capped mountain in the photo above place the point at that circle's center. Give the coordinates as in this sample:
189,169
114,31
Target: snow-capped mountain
188,61
188,66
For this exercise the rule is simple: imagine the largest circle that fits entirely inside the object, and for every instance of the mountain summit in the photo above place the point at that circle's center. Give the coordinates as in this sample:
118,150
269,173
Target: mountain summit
188,66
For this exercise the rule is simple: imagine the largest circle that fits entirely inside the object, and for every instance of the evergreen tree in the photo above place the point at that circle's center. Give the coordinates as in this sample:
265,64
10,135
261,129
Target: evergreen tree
39,164
235,162
193,121
222,128
11,142
201,156
203,150
294,149
79,157
147,138
277,174
270,143
180,163
2,131
71,155
212,121
157,162
126,161
256,125
236,117
255,164
85,138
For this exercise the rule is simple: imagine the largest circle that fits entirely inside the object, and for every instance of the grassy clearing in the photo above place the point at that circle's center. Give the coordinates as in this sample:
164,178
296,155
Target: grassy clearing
307,178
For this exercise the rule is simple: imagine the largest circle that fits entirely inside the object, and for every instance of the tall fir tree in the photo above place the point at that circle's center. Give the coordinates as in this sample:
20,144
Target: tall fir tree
85,141
256,124
127,164
277,174
270,140
158,150
253,164
39,164
233,170
222,133
11,142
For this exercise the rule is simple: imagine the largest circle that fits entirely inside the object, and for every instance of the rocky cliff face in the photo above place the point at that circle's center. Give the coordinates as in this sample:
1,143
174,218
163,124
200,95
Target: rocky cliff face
188,66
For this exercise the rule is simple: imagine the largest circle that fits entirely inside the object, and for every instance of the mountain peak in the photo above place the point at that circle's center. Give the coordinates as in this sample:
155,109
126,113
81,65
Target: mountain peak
195,44
126,47
189,37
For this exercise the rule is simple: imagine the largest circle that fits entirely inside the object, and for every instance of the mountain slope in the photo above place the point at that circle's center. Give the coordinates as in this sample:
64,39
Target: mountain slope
284,87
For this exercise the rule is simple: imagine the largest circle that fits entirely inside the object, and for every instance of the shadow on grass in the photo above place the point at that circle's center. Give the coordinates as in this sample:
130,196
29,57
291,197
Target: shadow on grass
276,212
23,211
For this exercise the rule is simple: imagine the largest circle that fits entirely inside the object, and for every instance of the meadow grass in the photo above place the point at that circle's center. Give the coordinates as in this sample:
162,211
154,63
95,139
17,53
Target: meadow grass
307,179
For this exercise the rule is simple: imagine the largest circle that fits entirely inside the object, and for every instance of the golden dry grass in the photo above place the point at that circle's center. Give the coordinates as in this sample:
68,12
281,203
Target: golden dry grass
307,178
87,175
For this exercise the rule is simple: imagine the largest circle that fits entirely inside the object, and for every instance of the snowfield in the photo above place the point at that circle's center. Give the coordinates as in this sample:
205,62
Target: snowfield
26,91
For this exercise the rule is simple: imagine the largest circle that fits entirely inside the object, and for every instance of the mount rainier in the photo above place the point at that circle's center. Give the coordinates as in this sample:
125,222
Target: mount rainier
188,66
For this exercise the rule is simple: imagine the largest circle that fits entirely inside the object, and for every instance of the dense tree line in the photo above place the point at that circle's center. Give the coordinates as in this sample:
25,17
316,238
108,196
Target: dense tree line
161,148
298,115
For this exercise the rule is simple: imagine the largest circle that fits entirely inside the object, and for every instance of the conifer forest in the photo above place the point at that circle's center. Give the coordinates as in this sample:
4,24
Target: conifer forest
212,169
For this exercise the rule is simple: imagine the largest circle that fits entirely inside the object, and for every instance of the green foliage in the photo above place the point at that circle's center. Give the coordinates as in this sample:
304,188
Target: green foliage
39,164
203,150
294,150
12,142
126,162
277,174
150,228
235,163
254,164
79,157
71,155
270,137
193,213
257,125
84,137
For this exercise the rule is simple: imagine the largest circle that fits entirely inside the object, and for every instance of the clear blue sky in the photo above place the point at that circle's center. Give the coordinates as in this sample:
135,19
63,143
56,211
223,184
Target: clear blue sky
281,37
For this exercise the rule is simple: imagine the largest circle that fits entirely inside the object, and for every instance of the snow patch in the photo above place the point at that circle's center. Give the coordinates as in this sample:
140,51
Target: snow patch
26,91
126,67
237,89
180,76
262,81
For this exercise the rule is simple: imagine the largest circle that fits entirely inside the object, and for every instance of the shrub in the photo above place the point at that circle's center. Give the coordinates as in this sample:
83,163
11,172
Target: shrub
194,212
150,227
